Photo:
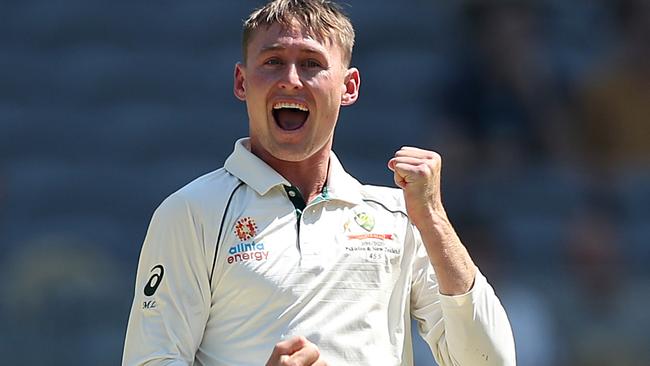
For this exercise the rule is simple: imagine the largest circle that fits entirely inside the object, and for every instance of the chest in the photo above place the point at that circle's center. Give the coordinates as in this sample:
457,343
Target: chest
272,257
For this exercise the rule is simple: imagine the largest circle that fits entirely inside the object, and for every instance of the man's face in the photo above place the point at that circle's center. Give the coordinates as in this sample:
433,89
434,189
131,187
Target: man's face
293,86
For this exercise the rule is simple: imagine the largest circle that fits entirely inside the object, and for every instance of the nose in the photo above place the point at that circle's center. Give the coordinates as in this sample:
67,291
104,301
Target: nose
290,78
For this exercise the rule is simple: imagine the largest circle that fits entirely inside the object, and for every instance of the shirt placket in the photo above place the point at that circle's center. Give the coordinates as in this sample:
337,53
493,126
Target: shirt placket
307,236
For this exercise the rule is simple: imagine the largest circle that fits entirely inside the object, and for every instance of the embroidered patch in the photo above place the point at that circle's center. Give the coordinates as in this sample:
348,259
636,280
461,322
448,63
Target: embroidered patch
245,228
365,221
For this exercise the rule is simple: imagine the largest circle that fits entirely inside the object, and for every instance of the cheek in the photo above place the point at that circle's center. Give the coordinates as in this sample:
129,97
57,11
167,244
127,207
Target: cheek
330,92
259,82
335,97
256,92
330,110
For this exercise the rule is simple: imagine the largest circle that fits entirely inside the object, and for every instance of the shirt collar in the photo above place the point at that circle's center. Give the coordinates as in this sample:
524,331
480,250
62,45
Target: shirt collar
250,169
340,184
258,175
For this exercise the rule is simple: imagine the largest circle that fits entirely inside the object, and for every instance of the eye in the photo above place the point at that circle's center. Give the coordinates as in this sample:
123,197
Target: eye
311,64
274,61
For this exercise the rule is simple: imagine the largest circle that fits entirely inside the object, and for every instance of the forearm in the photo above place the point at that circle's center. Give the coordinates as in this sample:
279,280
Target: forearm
474,329
451,262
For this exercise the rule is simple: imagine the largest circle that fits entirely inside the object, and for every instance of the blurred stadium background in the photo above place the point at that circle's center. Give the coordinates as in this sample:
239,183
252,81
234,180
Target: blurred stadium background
541,110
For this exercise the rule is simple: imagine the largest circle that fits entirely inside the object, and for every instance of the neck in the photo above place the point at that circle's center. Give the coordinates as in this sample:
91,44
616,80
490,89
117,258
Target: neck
308,175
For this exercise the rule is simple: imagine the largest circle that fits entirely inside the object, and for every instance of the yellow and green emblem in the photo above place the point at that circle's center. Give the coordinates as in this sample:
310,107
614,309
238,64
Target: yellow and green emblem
365,221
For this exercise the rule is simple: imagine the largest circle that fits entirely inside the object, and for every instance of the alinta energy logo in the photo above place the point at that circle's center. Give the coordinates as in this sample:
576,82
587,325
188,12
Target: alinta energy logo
246,229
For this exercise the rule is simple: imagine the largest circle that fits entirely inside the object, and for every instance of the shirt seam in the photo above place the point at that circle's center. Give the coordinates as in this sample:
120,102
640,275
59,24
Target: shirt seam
223,220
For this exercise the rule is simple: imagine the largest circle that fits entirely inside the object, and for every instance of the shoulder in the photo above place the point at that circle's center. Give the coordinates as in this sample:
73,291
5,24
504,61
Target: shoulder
215,183
391,199
203,193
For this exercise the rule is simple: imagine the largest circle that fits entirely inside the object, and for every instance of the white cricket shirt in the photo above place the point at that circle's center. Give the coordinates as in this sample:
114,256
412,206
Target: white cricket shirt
233,263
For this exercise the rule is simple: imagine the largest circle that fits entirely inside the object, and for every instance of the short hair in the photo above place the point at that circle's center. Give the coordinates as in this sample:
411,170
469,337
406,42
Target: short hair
323,19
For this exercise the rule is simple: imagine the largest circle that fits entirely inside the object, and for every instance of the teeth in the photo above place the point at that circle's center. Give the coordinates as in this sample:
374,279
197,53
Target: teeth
281,105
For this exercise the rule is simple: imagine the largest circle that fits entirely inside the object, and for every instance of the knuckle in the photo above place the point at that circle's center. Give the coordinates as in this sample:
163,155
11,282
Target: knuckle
285,361
435,161
302,341
316,351
423,170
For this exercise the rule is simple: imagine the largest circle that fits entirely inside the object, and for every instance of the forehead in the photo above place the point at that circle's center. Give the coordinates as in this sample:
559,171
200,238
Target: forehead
293,37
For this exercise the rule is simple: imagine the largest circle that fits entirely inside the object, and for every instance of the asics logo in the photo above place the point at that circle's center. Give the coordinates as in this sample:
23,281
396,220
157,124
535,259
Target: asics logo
154,281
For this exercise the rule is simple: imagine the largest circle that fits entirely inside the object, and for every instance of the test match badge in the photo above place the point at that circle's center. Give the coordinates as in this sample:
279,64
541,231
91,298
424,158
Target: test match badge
245,228
365,221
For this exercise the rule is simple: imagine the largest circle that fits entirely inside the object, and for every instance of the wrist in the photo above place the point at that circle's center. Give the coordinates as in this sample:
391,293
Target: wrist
433,222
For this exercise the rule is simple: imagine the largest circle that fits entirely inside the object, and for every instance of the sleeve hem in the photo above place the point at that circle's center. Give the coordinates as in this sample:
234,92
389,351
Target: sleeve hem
452,301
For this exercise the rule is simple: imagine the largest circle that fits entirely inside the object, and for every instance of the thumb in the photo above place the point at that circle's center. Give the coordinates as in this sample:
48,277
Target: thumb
398,178
391,164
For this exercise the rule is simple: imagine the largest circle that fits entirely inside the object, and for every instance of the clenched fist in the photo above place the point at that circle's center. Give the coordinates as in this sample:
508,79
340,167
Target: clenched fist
417,172
296,351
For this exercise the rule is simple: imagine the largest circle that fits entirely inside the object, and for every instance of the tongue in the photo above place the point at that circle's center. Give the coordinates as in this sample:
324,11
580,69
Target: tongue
290,119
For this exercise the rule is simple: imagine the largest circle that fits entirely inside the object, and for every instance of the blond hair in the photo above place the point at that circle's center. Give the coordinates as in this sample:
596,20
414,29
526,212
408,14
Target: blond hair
323,19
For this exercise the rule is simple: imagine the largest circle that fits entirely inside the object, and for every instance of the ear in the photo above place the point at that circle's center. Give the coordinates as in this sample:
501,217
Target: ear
352,83
238,88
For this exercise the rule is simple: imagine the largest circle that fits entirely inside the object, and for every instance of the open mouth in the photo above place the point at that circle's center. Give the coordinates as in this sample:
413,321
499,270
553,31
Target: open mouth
290,116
